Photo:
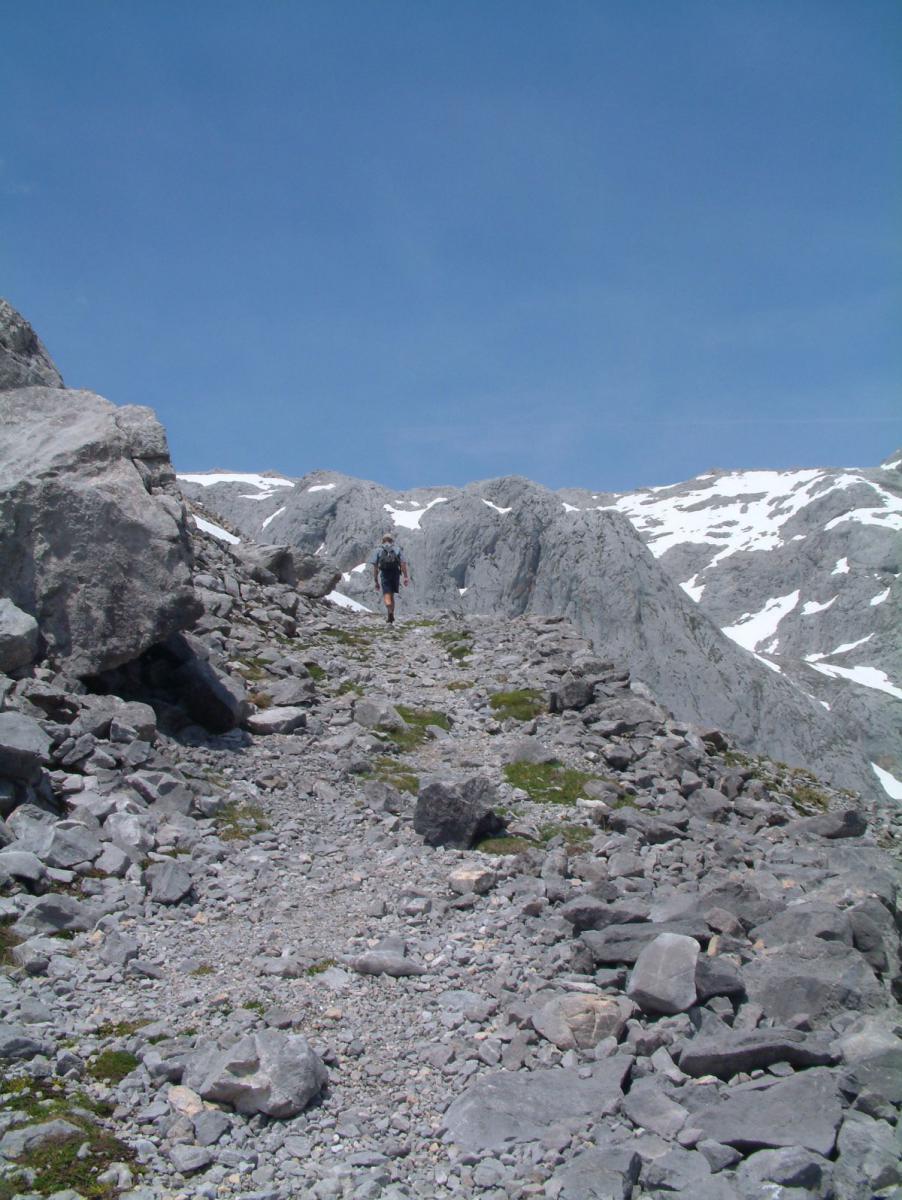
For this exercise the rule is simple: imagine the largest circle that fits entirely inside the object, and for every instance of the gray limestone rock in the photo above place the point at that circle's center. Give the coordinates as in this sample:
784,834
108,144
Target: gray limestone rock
22,865
649,1106
374,713
450,813
276,720
24,362
818,978
508,1107
266,1072
580,1020
789,1167
17,1045
169,882
725,1054
18,637
24,747
802,1110
609,1174
869,1158
18,1142
663,979
102,561
54,913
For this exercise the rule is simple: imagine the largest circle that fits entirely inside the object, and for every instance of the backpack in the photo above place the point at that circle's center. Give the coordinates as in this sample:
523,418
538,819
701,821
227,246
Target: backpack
389,559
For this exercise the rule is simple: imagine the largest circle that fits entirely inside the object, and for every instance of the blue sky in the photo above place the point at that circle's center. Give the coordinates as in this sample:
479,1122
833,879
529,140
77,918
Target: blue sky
601,244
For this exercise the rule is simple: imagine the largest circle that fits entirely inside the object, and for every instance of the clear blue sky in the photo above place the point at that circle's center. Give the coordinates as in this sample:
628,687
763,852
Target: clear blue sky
605,244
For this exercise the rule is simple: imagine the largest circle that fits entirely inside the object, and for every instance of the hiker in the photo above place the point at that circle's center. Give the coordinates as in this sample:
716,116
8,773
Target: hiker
389,566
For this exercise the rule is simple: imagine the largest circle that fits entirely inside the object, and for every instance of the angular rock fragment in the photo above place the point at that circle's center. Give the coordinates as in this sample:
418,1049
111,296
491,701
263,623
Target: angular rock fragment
456,814
266,1072
729,1053
663,979
18,637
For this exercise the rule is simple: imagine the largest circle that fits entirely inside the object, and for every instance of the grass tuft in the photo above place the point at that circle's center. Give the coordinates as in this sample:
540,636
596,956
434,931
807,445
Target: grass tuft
548,783
112,1066
236,822
522,704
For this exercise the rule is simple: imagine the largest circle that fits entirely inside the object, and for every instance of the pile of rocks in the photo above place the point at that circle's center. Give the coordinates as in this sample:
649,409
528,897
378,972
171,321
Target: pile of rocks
663,978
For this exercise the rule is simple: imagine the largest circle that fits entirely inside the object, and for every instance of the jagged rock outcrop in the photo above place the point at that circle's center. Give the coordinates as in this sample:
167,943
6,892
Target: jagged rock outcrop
509,546
94,533
24,362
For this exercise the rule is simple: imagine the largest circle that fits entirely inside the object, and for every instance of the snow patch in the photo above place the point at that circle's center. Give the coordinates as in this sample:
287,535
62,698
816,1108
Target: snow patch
321,487
890,784
463,591
216,531
411,519
570,507
693,590
753,628
497,507
879,599
346,602
773,666
841,568
265,483
813,607
868,677
843,649
358,570
273,516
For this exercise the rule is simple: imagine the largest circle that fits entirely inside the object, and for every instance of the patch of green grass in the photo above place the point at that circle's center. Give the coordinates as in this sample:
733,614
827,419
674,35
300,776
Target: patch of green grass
348,685
203,969
324,964
417,720
549,783
345,637
7,941
627,800
260,699
522,704
61,1165
457,643
120,1028
460,685
422,623
575,836
252,669
256,1006
808,800
316,672
112,1066
236,822
390,771
506,845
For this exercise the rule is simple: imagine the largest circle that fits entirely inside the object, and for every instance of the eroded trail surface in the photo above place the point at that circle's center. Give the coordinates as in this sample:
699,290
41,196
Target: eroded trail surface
670,974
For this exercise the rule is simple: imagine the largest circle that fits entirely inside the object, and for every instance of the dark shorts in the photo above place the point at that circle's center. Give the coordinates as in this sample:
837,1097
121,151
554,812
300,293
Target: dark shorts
391,582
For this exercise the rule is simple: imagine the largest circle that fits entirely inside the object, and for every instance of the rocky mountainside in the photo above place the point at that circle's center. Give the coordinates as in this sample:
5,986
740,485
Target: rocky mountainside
510,547
294,903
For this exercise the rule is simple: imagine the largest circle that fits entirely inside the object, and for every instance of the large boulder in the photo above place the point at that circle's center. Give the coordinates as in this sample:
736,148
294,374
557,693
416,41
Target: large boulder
457,814
96,546
23,360
267,1072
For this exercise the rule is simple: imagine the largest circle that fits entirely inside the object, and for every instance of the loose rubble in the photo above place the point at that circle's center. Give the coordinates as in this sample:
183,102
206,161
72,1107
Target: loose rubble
378,939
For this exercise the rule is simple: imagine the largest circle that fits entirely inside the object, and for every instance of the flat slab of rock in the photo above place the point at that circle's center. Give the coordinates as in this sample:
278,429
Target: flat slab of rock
509,1107
803,1110
729,1053
285,719
169,883
663,979
821,979
624,943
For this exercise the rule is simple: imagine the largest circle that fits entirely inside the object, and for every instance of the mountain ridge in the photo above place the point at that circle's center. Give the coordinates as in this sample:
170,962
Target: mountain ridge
476,567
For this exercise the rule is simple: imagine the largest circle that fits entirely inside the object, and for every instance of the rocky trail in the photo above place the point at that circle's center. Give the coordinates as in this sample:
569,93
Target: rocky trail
272,963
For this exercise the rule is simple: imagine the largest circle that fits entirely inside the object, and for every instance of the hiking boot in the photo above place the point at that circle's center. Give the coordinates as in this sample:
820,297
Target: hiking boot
391,618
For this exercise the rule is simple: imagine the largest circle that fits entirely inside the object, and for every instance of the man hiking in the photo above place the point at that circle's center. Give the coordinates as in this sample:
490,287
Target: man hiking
389,566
